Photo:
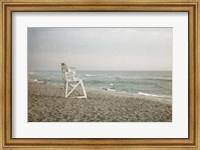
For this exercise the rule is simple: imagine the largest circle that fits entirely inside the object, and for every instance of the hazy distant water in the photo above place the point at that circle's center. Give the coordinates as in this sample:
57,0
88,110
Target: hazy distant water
154,83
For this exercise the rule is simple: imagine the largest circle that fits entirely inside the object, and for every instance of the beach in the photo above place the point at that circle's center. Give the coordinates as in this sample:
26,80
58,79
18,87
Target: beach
46,103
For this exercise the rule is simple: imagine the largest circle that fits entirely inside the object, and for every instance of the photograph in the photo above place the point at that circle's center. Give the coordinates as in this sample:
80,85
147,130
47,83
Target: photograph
99,74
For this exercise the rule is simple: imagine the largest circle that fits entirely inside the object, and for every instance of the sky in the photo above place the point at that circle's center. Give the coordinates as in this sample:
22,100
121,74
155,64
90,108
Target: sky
100,48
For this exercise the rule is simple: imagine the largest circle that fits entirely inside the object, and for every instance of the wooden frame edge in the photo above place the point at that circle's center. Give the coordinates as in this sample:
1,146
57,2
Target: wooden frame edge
8,142
1,77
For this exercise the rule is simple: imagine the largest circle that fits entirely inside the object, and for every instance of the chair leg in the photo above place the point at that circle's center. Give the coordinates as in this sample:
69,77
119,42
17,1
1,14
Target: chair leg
83,88
67,86
72,89
66,90
77,89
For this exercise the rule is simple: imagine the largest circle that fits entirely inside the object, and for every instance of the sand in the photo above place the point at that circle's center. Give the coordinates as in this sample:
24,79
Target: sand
46,103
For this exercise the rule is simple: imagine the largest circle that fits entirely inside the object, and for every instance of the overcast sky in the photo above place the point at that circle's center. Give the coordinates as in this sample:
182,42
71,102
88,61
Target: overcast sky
100,48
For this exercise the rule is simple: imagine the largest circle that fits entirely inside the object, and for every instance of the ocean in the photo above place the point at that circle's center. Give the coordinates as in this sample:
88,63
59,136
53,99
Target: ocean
149,83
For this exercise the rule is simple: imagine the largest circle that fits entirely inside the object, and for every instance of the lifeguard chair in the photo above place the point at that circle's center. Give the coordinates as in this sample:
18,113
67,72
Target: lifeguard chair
72,83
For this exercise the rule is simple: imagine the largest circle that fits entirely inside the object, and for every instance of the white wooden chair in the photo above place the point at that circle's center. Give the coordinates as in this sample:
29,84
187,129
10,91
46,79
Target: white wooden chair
72,83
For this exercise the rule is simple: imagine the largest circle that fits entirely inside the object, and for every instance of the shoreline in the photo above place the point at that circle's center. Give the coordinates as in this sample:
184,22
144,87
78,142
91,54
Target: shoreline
46,103
160,98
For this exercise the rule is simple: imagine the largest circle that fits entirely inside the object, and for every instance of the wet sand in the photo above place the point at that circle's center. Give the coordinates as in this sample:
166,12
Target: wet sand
46,103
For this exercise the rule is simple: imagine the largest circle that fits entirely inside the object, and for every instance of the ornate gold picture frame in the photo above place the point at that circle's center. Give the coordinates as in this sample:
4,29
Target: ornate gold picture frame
10,6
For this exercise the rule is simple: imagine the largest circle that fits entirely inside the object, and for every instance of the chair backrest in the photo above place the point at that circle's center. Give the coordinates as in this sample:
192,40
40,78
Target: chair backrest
64,67
67,73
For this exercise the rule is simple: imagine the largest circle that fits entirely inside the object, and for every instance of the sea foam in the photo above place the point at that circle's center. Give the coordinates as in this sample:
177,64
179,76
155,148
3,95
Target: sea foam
90,75
153,95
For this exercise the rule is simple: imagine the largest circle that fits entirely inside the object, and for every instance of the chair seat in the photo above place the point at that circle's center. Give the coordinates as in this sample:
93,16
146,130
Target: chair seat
71,81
